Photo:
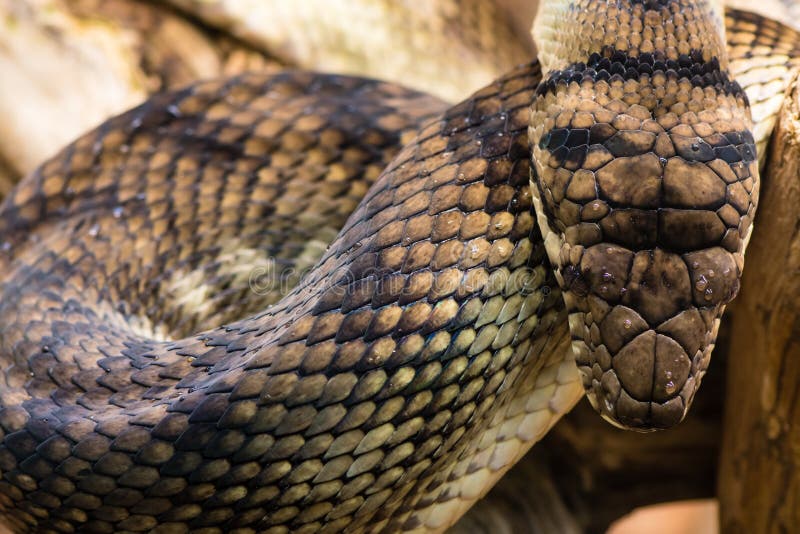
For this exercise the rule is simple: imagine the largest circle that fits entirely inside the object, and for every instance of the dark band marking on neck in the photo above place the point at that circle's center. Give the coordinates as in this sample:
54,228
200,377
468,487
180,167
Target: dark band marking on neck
614,64
655,4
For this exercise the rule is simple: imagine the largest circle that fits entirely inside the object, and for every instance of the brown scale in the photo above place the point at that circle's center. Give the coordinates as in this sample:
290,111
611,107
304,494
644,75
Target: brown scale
244,154
354,401
647,181
103,222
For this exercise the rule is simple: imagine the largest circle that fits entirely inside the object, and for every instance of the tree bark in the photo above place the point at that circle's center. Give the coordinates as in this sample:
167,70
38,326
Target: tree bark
759,483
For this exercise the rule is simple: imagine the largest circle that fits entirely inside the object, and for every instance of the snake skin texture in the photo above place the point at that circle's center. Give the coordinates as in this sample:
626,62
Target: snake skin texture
249,152
764,56
421,349
414,364
645,184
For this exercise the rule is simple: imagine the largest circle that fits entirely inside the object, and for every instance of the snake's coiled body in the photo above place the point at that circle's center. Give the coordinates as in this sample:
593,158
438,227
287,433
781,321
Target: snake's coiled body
386,391
422,355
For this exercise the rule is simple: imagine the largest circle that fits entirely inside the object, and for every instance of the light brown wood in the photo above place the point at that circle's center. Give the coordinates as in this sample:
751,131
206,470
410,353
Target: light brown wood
67,65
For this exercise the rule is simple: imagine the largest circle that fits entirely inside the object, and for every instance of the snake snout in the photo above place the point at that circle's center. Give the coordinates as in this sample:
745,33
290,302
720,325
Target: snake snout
644,326
644,378
648,385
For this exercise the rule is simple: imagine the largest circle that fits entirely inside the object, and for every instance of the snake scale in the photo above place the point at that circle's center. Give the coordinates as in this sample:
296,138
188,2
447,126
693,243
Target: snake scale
393,339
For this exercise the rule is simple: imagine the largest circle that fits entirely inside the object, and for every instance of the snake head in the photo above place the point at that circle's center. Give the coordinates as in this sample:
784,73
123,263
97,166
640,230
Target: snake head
645,183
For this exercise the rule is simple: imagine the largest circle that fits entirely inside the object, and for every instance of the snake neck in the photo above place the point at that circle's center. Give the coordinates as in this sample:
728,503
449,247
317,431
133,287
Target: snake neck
645,182
568,32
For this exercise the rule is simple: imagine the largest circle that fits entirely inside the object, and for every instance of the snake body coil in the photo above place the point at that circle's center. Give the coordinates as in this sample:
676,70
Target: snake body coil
415,359
389,389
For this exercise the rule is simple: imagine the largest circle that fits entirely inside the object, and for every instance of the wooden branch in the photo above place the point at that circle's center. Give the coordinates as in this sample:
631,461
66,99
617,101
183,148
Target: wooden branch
759,484
69,64
394,46
8,177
